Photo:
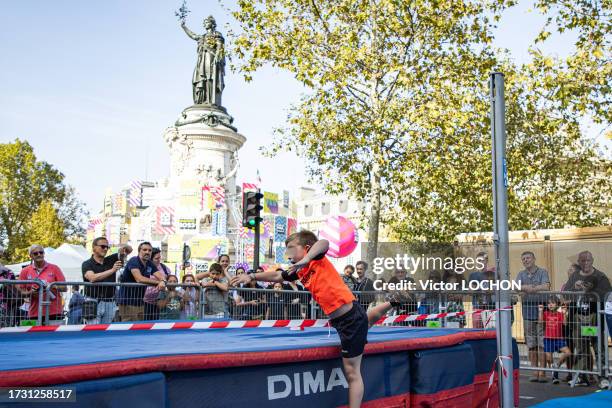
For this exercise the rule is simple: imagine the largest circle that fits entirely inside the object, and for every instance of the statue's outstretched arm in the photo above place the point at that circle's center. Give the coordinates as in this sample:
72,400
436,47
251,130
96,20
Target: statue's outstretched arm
190,33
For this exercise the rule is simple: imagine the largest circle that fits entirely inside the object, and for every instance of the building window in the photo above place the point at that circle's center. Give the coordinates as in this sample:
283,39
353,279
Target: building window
325,208
308,210
343,206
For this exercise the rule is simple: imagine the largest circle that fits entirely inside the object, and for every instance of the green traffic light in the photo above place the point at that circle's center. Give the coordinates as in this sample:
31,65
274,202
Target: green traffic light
252,223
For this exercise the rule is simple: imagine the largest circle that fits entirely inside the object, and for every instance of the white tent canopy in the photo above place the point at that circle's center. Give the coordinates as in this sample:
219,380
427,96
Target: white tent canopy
68,257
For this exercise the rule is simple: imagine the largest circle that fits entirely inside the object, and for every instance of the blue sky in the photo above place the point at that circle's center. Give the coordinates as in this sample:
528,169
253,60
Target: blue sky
93,85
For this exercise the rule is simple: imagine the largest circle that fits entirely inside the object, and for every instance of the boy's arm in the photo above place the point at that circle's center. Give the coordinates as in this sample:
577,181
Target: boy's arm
317,251
269,276
202,275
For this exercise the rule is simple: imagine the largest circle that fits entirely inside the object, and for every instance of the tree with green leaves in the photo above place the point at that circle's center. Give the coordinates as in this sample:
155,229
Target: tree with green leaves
34,201
397,112
380,75
44,228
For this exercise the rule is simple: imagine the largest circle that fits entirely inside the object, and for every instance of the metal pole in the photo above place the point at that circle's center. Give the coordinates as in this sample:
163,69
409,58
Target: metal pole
500,230
201,310
256,245
39,319
602,340
47,303
256,241
607,356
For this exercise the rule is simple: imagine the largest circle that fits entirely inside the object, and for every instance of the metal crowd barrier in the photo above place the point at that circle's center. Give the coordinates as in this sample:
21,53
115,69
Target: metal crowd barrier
582,343
106,302
607,317
272,304
15,303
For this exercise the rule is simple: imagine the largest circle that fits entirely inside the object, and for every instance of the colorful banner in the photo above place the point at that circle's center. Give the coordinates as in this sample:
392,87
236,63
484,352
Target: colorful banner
270,203
219,223
280,229
291,226
268,224
249,187
249,252
93,222
217,193
119,204
280,254
243,232
135,193
113,230
265,228
164,217
263,249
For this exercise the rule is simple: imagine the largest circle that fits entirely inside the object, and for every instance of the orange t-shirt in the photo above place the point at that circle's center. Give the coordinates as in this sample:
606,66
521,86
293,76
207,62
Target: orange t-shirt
324,282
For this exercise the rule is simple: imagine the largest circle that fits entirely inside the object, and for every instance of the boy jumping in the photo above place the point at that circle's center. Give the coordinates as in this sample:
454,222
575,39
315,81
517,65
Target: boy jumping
347,316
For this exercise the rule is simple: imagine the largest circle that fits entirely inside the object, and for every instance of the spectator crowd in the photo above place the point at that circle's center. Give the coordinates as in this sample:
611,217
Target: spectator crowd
565,323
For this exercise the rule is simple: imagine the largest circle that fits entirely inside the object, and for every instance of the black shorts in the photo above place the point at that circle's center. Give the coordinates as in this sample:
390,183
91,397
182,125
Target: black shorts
352,327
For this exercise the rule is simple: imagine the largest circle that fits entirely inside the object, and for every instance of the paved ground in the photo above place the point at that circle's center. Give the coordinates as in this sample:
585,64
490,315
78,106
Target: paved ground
534,393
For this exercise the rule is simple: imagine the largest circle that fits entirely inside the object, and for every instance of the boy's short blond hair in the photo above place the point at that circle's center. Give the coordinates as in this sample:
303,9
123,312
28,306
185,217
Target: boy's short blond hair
303,237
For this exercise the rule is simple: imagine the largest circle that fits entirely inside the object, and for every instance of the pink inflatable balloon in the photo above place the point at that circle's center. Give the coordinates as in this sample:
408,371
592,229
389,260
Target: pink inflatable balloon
341,234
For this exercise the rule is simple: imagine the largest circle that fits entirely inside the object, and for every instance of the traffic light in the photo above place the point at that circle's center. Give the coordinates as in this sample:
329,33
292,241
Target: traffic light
251,209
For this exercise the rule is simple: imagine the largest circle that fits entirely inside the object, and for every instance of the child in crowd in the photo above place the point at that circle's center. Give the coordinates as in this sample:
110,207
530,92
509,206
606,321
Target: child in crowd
553,319
169,301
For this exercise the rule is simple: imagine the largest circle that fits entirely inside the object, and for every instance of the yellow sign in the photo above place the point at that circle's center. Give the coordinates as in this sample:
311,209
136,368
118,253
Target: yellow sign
206,248
190,194
270,203
175,248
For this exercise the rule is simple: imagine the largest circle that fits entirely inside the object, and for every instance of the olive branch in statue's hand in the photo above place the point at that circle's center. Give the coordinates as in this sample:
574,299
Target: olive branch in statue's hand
182,12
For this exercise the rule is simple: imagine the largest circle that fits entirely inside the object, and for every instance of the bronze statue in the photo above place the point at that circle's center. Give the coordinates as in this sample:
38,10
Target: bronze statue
210,69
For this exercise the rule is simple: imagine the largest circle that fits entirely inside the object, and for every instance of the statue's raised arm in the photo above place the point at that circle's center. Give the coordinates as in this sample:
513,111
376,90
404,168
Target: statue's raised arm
190,33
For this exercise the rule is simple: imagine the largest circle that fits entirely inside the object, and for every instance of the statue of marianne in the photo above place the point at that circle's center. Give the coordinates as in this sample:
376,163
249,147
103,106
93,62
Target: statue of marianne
210,69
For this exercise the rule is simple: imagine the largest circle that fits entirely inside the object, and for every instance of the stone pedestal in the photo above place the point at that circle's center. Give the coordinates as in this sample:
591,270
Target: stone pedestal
204,146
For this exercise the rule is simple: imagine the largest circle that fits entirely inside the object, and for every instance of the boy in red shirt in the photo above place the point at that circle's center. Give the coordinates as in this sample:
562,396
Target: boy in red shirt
554,341
347,316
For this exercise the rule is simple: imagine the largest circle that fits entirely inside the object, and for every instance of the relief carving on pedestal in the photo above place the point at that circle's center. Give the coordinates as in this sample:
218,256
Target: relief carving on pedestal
181,150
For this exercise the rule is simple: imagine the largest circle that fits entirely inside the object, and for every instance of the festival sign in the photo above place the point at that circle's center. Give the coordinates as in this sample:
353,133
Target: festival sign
270,203
280,229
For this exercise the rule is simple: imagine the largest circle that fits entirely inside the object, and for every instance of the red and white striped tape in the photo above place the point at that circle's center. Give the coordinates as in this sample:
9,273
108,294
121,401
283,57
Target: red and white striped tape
412,318
232,324
493,372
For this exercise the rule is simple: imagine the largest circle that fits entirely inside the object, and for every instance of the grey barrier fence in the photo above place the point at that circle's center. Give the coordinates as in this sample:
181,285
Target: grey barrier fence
567,335
106,302
21,302
607,317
